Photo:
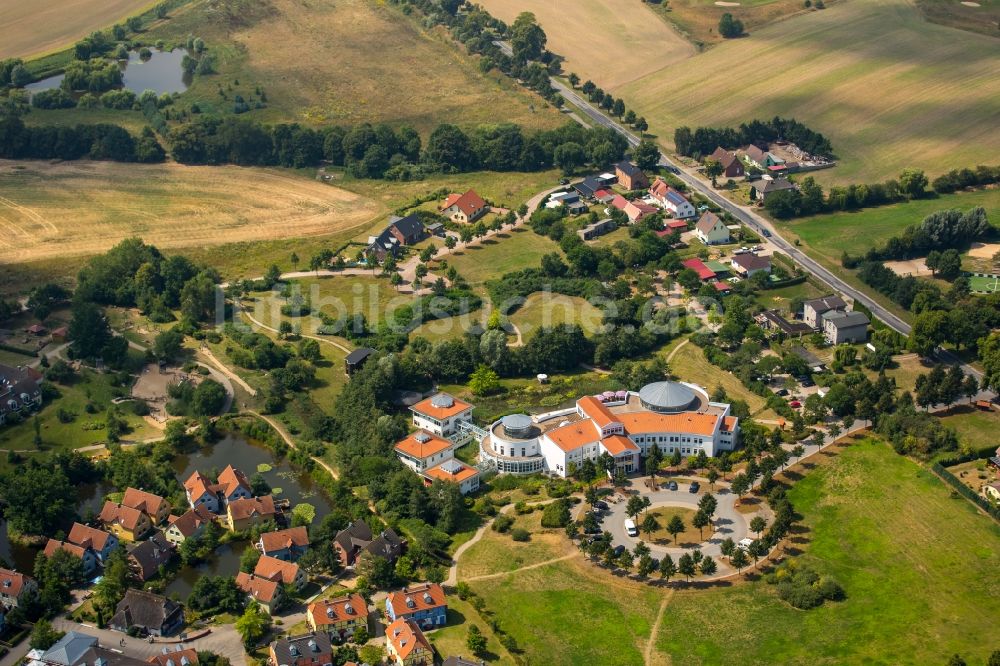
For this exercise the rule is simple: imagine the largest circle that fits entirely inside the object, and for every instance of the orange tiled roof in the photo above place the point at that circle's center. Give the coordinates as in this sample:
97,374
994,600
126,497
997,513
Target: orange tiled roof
231,479
468,203
247,507
618,444
52,546
427,407
198,484
191,520
277,570
84,535
259,588
728,423
293,536
148,503
332,611
642,423
411,446
125,516
405,637
596,410
572,436
422,597
12,582
173,658
462,473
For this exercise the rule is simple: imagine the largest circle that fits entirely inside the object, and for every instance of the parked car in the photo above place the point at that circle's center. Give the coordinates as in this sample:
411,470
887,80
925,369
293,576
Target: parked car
602,505
694,487
618,550
564,181
767,234
782,392
630,528
807,382
795,403
672,485
744,544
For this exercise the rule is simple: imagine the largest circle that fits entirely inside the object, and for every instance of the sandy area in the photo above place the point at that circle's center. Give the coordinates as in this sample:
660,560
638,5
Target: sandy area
720,3
914,267
967,3
984,250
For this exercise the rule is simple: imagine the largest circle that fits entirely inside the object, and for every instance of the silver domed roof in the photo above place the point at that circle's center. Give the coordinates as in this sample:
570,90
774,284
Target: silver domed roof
666,396
516,422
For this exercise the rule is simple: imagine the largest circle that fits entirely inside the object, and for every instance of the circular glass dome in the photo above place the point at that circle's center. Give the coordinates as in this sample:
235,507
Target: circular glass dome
516,424
666,397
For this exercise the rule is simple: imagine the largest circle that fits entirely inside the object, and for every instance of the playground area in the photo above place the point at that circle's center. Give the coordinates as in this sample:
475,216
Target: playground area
984,283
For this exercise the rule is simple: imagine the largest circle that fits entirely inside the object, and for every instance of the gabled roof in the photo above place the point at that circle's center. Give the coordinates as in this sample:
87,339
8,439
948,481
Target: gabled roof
69,649
675,197
659,187
440,406
451,470
51,546
252,506
595,410
756,154
703,271
752,262
628,168
310,648
767,185
409,225
416,598
148,503
469,203
145,609
422,444
297,537
618,444
356,535
150,554
12,582
191,520
179,657
405,637
341,609
619,202
198,484
232,479
846,319
707,222
387,544
359,355
825,304
261,589
84,535
125,516
278,570
572,436
588,186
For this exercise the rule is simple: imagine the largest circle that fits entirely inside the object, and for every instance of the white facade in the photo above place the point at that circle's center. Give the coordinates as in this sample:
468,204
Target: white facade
718,234
443,418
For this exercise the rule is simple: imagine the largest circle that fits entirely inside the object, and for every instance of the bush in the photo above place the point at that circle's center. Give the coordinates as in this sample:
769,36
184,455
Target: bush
520,534
502,523
556,514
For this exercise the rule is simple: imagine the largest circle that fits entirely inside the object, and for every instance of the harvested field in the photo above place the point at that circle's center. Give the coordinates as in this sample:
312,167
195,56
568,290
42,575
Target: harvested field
984,250
83,208
32,28
938,101
699,19
609,41
979,16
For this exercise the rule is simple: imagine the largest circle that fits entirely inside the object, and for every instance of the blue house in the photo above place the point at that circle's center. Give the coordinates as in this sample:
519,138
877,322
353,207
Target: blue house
424,604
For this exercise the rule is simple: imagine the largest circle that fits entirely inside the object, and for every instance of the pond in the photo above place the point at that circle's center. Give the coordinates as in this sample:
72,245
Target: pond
232,449
162,73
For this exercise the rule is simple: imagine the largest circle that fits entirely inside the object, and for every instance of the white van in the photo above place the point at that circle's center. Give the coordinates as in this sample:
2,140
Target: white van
744,544
630,528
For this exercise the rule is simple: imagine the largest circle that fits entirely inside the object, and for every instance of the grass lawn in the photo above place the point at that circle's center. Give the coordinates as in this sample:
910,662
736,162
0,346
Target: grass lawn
544,309
690,365
915,562
975,427
780,299
572,613
508,251
450,639
689,537
496,552
889,89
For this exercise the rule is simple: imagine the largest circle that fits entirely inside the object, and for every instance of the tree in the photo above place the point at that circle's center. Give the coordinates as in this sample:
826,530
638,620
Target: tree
91,334
527,39
484,380
913,183
667,568
756,550
739,559
569,156
634,506
167,344
646,565
646,155
708,566
727,547
253,624
686,566
618,107
701,521
675,526
740,485
757,525
249,559
43,636
713,169
650,524
641,125
475,641
713,476
730,27
573,79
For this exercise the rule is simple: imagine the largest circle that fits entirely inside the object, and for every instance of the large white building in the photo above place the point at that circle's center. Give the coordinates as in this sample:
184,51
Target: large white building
441,414
673,416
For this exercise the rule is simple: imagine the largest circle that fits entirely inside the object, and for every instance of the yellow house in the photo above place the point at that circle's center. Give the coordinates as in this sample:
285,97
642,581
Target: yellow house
407,645
339,618
242,514
124,522
155,507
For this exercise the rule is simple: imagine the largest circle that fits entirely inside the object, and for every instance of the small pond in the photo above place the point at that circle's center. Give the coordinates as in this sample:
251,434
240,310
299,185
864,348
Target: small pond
234,449
162,73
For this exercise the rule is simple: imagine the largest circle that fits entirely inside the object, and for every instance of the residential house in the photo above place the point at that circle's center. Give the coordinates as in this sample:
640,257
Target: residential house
557,199
812,310
441,414
126,523
14,586
232,485
60,334
288,545
20,390
454,470
994,460
672,200
85,536
761,158
767,185
747,264
588,186
604,196
634,210
306,650
79,649
146,558
178,656
155,507
723,288
357,540
266,592
840,327
772,320
630,176
595,229
148,613
400,232
576,208
242,514
190,524
720,269
467,207
356,359
86,554
992,491
711,230
280,571
339,618
703,271
732,167
406,644
421,449
424,604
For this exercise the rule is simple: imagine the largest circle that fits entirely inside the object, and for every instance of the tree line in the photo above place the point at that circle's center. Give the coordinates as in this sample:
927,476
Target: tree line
942,230
704,140
72,142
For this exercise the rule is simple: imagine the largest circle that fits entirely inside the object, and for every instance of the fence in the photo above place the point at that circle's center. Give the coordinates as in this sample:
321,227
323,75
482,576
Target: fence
965,491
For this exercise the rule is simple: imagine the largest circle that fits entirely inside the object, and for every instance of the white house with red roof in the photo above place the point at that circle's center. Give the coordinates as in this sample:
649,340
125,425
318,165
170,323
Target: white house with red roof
421,450
467,207
13,586
672,200
440,414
